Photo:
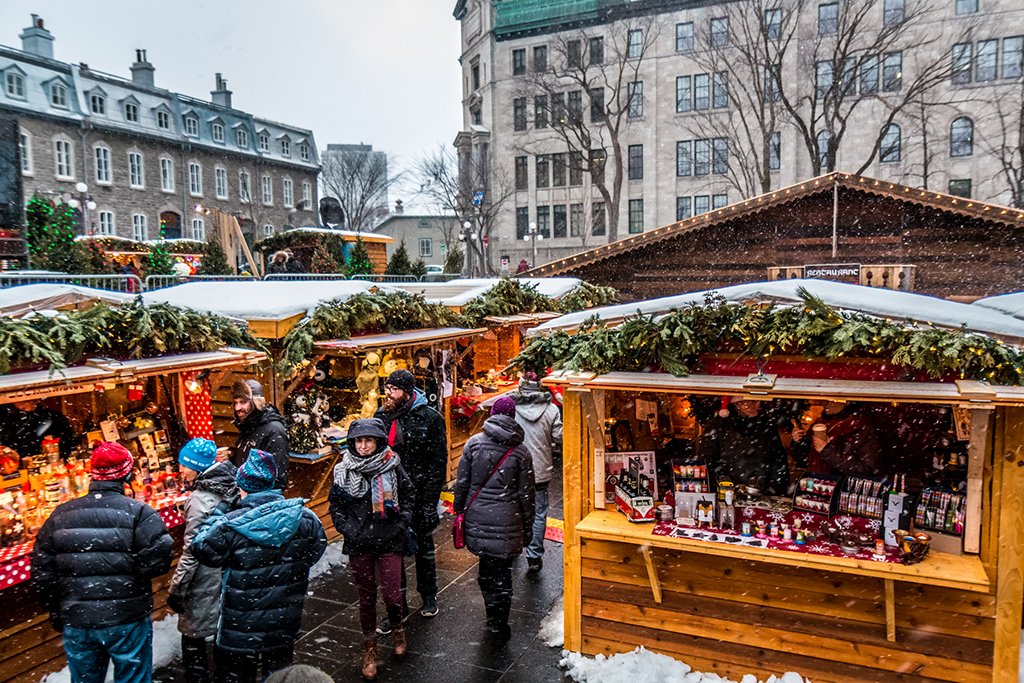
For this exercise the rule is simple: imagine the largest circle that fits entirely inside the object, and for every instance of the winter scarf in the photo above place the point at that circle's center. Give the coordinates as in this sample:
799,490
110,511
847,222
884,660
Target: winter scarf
375,472
396,434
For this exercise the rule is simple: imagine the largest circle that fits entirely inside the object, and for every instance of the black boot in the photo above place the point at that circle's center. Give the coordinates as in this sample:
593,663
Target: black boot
193,659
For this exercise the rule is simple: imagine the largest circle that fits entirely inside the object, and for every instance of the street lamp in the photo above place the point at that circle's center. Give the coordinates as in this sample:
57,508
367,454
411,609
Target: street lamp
467,234
533,236
83,201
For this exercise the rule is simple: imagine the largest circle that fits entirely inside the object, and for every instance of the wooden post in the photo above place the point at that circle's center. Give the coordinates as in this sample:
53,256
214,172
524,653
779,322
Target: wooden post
593,409
652,572
1010,557
573,512
890,611
977,447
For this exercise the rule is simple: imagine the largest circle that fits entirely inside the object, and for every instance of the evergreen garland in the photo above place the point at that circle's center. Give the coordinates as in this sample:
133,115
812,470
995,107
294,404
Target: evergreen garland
508,297
587,296
359,262
675,342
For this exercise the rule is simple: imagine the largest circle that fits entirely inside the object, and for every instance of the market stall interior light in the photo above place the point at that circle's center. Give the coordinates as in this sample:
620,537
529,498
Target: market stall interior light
195,384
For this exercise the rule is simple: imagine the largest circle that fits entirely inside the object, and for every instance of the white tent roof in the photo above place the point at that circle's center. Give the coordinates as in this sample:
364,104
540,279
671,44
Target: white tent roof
1010,304
21,299
460,292
883,303
260,299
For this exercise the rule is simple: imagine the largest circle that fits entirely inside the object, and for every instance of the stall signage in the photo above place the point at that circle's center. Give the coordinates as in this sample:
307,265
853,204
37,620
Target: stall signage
840,272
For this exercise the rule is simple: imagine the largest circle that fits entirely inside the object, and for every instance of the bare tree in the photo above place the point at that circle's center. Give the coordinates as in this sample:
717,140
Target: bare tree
1006,144
360,181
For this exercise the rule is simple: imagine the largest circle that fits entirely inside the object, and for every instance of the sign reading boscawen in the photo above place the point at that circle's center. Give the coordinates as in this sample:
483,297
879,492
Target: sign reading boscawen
840,272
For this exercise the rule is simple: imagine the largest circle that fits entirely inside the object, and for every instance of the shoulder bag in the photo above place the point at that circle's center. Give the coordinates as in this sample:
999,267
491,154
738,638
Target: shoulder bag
458,528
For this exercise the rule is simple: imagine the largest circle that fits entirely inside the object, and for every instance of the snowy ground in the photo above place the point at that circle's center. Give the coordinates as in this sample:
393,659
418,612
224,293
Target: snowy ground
644,666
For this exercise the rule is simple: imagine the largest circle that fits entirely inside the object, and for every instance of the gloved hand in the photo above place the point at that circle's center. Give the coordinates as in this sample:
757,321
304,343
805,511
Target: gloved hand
176,603
56,623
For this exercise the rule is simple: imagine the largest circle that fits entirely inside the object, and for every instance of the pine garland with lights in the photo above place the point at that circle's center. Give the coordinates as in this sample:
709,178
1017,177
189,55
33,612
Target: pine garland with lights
50,231
359,262
323,261
508,297
587,296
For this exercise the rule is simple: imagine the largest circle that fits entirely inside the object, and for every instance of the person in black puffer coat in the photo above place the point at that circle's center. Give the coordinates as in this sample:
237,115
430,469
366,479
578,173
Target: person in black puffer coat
372,499
266,548
92,568
260,426
499,520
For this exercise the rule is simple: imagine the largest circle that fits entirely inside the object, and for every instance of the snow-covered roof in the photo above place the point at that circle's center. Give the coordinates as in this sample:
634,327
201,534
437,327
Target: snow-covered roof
351,234
21,299
259,299
1010,304
456,293
883,303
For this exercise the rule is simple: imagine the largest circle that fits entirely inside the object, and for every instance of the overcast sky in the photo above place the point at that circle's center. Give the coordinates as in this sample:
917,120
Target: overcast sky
381,72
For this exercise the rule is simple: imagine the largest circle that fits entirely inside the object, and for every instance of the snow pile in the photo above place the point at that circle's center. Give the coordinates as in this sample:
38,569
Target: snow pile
332,558
552,628
166,648
644,666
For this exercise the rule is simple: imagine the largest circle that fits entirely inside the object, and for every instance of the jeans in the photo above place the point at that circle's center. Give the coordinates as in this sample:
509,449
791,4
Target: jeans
244,667
129,646
540,522
426,567
495,581
365,569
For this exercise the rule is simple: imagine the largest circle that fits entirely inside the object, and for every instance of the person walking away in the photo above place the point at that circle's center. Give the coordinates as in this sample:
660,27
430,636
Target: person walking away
495,491
371,503
92,567
265,548
417,433
541,421
194,592
260,426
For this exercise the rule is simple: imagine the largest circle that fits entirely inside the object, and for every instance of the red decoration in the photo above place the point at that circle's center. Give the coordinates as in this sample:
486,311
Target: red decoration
198,412
135,392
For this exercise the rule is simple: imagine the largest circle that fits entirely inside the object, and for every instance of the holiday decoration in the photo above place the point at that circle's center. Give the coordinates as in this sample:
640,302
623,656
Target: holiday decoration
323,260
399,263
159,262
306,412
358,260
50,229
198,412
135,392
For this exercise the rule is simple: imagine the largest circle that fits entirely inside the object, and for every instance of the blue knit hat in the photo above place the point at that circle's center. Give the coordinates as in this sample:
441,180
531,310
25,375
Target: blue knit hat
198,454
257,473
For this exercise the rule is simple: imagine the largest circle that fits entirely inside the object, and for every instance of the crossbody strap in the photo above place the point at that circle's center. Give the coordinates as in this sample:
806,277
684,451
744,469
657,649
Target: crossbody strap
489,475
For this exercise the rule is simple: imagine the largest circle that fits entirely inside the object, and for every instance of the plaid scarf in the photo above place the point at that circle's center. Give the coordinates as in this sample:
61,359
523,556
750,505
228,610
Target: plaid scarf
356,474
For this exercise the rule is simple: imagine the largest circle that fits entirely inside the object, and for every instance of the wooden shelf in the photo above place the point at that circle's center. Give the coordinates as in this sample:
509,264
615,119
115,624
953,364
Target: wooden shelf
964,572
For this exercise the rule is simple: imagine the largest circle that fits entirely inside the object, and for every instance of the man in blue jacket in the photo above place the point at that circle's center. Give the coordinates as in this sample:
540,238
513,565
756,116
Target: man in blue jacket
266,548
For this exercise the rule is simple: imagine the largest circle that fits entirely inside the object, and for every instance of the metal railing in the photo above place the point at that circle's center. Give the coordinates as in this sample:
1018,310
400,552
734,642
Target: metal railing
440,277
305,276
162,281
126,283
385,278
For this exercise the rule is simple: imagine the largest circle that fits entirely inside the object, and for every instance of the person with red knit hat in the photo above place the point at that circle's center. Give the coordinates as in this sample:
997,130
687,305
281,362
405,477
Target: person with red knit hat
93,564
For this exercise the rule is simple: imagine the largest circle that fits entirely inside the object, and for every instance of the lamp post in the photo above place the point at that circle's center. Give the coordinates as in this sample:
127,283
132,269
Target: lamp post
85,202
532,235
467,235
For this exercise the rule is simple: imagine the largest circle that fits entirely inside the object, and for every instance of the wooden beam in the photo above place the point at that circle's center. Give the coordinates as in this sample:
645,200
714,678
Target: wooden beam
652,572
304,374
593,410
1010,558
573,512
890,610
977,448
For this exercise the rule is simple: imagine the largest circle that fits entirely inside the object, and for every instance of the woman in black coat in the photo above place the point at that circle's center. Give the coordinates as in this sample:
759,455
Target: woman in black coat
499,520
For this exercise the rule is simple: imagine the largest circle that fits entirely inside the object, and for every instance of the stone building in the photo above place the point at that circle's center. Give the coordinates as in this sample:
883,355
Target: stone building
681,79
149,157
426,237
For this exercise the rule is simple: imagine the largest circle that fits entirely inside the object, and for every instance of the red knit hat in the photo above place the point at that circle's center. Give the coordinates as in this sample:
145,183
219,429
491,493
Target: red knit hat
110,462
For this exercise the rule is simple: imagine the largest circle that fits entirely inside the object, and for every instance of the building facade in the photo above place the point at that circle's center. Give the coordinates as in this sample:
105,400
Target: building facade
424,236
929,96
150,159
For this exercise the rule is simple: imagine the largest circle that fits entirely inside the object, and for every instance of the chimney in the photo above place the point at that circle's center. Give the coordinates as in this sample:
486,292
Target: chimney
399,209
36,39
142,70
221,95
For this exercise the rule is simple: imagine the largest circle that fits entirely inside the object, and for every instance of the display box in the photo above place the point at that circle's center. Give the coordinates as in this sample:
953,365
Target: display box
635,490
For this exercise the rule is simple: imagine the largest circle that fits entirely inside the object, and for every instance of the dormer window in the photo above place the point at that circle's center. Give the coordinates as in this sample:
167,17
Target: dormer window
131,112
59,95
286,147
304,152
163,120
242,138
218,132
14,84
98,103
264,142
192,126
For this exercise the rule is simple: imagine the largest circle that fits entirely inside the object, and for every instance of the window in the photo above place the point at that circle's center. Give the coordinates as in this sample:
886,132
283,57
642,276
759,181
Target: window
1013,51
474,75
684,37
635,98
558,108
597,50
635,162
684,208
542,169
636,216
244,187
966,6
522,177
519,61
597,113
773,23
961,137
823,78
824,139
985,60
775,151
199,229
304,152
540,59
701,204
772,84
106,223
288,192
195,179
575,220
869,75
98,104
102,157
599,220
828,18
558,169
701,157
220,182
683,93
720,31
962,63
59,95
139,230
960,187
267,190
163,120
14,84
268,230
544,221
574,54
307,196
242,138
426,247
848,83
264,140
166,174
720,90
522,222
684,158
136,171
892,12
575,169
718,201
634,43
192,126
598,160
559,224
701,92
131,112
64,159
25,152
540,111
576,106
889,149
519,113
892,71
719,156
218,132
286,147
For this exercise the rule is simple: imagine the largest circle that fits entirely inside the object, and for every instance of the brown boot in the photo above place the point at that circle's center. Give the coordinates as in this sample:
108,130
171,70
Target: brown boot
401,644
370,659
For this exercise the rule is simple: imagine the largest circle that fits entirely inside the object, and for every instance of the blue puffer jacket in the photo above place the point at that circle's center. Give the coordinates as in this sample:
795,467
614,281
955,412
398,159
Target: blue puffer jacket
265,548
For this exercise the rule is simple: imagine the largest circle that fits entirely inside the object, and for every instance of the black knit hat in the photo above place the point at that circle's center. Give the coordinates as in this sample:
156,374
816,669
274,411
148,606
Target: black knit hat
402,379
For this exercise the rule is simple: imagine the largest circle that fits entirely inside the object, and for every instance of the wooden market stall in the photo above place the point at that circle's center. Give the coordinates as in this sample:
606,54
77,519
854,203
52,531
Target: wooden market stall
146,405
